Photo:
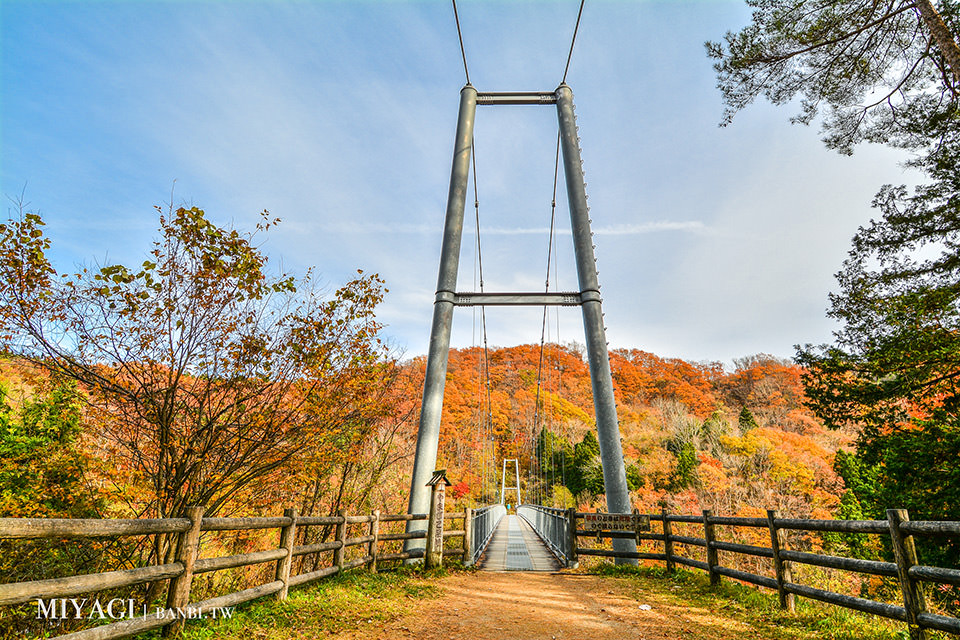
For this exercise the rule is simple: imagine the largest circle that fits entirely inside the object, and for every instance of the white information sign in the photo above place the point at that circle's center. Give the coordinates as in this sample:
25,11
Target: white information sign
616,522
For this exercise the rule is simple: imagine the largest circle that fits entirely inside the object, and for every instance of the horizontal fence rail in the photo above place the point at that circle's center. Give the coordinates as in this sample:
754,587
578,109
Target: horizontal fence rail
558,529
187,562
908,571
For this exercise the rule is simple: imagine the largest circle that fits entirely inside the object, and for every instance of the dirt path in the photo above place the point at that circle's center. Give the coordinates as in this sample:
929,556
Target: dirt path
552,606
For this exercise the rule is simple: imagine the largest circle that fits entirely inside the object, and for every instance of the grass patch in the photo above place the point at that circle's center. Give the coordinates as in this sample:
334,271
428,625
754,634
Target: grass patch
334,604
761,608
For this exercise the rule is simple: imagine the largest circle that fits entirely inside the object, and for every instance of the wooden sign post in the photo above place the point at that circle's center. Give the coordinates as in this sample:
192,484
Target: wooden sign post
438,485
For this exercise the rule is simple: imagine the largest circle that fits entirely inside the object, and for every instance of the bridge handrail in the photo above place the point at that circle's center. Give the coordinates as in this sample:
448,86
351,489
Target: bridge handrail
553,527
485,521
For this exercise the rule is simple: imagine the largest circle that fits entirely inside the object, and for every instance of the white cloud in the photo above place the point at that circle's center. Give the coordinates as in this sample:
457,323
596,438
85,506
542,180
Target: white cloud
614,230
339,117
694,226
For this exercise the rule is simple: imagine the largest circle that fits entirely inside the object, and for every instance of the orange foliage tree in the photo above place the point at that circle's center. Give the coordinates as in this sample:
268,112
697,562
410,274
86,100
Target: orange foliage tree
206,373
641,376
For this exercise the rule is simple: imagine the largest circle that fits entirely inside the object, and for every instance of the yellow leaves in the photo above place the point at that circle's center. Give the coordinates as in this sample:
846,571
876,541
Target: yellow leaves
711,474
789,463
744,446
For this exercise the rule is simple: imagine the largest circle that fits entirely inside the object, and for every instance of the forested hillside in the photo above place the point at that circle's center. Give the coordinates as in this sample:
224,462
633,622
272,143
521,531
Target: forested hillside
694,435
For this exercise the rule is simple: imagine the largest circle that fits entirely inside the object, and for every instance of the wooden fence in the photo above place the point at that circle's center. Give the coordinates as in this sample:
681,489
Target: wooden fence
908,571
188,564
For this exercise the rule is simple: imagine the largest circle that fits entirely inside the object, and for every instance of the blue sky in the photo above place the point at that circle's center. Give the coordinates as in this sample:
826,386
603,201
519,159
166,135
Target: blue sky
338,117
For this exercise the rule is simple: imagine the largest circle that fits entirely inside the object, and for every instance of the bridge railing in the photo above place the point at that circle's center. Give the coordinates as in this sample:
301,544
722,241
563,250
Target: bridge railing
484,522
362,532
553,527
906,569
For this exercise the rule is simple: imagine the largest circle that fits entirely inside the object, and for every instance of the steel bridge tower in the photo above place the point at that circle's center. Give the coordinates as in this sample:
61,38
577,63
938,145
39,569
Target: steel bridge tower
588,299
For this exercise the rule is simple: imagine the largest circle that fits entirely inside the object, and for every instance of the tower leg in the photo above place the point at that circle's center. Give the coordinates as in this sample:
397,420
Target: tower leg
516,473
503,483
428,434
608,430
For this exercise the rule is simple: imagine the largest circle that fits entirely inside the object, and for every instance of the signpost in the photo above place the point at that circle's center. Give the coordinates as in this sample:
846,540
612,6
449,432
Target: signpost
438,485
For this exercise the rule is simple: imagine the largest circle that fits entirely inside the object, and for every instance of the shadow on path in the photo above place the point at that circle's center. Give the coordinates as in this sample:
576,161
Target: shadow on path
527,605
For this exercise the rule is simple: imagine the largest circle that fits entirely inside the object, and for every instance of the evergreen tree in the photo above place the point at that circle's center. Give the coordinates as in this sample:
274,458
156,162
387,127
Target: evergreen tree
746,419
43,474
870,64
685,472
587,473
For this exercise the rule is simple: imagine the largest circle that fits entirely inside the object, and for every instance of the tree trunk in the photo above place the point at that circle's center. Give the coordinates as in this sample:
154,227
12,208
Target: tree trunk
165,548
941,36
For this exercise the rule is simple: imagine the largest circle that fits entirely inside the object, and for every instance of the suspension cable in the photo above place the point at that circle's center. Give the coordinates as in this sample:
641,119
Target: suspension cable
463,52
488,431
484,365
476,209
481,422
572,41
537,413
473,340
543,327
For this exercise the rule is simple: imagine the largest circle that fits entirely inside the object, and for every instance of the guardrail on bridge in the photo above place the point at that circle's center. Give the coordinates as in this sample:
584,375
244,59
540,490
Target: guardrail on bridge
553,527
485,521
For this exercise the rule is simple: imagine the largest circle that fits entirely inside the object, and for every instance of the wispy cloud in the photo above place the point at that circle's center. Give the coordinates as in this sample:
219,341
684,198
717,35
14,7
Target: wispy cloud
690,226
376,228
694,226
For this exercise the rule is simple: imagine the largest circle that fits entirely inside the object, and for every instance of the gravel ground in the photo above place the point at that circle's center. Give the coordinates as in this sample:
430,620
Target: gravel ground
552,606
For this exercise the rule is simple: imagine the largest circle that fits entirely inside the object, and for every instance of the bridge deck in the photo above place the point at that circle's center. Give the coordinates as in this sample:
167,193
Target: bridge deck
515,547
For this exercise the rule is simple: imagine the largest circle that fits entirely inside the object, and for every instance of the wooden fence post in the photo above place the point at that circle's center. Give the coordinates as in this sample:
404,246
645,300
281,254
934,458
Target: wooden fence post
709,534
572,560
905,553
287,536
667,539
188,548
782,568
372,548
467,537
341,533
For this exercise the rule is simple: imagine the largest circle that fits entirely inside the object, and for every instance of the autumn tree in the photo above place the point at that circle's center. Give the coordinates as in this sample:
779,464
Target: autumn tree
642,377
206,371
